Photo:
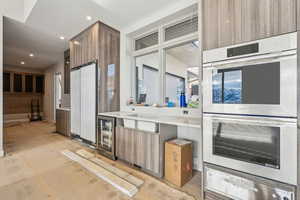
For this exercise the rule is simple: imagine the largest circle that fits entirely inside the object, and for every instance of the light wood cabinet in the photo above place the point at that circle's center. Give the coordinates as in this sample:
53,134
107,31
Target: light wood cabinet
222,23
100,43
228,22
142,148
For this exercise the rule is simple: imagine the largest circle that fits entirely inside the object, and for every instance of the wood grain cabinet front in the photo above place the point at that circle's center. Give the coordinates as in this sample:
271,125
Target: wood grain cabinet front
100,43
144,149
229,22
63,122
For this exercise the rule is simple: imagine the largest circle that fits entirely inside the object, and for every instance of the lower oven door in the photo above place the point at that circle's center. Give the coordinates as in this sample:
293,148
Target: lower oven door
259,85
266,148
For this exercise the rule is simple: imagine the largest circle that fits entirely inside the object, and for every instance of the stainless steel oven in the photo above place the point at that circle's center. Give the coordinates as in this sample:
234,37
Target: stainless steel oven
258,78
106,136
265,147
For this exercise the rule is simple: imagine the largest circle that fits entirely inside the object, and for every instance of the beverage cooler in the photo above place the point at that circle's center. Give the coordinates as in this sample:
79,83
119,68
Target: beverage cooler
106,135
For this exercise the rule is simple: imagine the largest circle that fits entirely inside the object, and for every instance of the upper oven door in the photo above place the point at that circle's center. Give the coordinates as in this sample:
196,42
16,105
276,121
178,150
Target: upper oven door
263,147
260,85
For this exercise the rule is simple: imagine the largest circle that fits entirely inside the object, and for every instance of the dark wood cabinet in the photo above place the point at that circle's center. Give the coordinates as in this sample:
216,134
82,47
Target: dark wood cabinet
228,22
67,68
63,122
6,82
101,43
39,82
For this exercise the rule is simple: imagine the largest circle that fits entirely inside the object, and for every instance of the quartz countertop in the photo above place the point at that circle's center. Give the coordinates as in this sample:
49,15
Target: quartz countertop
64,109
194,122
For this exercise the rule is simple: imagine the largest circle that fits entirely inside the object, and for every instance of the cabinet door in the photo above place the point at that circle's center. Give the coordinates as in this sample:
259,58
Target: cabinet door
59,119
267,18
152,152
125,144
84,47
140,144
228,22
88,103
222,23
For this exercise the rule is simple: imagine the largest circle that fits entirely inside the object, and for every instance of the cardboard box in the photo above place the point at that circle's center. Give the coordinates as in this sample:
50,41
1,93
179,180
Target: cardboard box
178,161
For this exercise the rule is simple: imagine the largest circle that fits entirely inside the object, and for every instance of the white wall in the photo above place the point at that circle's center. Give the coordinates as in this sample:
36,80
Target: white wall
1,86
49,98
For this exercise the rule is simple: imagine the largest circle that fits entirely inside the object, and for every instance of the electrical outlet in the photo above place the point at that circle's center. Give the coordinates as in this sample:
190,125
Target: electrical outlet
185,112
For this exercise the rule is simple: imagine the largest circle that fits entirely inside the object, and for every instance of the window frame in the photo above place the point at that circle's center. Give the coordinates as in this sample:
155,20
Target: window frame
161,48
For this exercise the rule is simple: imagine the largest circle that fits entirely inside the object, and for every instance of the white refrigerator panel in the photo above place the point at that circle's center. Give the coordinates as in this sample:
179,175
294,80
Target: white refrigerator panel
88,103
75,102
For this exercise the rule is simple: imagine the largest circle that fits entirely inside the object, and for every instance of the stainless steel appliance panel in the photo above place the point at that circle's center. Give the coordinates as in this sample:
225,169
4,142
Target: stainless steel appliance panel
221,183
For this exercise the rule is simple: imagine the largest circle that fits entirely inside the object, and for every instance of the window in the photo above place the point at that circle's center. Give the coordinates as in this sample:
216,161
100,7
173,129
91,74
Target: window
182,73
6,82
147,41
181,29
17,82
39,84
28,83
170,67
147,73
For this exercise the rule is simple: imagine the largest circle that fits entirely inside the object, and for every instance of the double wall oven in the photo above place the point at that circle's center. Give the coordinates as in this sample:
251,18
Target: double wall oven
250,108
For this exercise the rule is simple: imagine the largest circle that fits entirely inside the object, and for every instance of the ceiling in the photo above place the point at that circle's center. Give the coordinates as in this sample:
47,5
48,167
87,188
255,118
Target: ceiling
187,54
50,19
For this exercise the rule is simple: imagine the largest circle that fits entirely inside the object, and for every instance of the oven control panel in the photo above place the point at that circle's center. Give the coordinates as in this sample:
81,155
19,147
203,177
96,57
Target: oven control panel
240,188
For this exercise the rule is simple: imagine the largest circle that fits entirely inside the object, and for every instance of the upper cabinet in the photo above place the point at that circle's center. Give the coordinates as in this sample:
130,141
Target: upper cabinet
100,43
84,47
228,22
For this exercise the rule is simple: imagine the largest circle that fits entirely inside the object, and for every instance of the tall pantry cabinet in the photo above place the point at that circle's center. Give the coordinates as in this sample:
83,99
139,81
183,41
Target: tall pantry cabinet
97,46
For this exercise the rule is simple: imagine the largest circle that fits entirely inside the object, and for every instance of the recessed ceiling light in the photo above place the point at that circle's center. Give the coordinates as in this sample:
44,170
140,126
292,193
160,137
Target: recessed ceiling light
62,37
22,63
31,55
89,18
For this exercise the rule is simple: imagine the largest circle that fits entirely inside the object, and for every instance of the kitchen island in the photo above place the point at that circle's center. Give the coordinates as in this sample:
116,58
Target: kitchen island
140,138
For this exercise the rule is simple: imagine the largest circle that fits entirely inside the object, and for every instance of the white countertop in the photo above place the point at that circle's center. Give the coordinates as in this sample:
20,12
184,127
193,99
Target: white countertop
64,109
194,122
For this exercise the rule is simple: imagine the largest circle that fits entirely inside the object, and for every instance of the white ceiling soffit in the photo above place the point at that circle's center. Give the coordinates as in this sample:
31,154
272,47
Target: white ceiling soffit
21,40
162,13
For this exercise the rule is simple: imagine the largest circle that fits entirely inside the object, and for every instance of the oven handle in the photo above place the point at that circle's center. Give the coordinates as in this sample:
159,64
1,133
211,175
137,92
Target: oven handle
254,59
255,122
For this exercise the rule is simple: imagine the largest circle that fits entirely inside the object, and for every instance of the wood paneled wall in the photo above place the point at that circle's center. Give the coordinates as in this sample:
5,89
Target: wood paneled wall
20,103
